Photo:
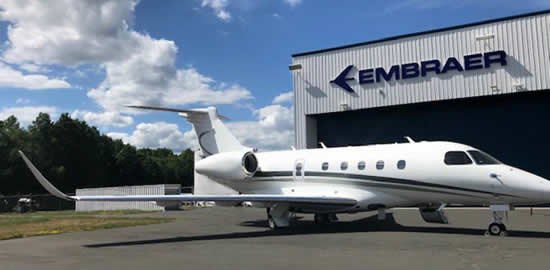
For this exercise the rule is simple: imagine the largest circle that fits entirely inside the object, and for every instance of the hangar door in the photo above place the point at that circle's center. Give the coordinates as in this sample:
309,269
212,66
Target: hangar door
514,127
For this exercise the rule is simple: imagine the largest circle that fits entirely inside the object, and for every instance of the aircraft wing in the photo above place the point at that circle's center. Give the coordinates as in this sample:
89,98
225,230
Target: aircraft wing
267,198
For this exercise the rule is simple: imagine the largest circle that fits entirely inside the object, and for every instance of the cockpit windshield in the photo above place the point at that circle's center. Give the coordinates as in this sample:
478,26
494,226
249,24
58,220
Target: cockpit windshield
482,158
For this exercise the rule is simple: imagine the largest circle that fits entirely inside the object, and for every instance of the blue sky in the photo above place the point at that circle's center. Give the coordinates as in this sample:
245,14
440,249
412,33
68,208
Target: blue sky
89,58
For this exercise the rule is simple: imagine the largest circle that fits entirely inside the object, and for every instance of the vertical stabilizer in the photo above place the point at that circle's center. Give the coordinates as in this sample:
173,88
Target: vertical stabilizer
212,135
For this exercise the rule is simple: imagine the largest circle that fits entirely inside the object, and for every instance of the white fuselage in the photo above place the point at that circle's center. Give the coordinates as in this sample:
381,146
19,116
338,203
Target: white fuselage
412,174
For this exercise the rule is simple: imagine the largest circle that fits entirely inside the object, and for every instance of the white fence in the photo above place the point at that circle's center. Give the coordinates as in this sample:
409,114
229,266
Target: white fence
125,190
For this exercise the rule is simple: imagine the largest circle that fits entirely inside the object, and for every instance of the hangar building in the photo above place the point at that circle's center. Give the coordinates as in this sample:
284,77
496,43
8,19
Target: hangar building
484,84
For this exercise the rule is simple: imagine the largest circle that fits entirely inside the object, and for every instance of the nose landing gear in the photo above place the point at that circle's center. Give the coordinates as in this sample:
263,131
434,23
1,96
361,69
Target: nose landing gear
497,227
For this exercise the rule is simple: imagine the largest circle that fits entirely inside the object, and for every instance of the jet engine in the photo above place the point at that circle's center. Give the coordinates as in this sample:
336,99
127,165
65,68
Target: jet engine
235,166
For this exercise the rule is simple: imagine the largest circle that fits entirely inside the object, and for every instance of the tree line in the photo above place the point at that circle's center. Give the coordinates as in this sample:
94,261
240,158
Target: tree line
73,154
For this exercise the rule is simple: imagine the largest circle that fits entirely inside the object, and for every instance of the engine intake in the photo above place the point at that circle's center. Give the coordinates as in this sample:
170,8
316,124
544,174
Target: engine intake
250,163
234,166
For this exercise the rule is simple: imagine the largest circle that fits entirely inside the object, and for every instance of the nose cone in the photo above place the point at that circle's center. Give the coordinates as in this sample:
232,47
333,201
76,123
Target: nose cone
545,190
532,187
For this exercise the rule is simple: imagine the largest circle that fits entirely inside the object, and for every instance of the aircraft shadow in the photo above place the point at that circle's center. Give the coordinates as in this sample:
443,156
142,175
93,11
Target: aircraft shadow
369,224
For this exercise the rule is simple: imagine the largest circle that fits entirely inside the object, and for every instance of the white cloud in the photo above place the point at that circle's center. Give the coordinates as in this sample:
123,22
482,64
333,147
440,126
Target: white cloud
139,69
22,101
66,32
27,114
155,135
273,128
34,68
219,7
276,15
293,3
104,118
150,77
10,77
284,98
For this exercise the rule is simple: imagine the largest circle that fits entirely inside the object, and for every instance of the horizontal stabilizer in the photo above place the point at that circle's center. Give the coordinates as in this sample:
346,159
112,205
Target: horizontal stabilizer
266,198
221,117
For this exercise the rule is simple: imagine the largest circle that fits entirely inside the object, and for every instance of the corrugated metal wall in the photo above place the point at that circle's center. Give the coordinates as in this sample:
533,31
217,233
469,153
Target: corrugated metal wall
126,190
525,40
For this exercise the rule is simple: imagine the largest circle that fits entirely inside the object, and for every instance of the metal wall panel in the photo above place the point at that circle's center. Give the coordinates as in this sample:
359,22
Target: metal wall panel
524,39
125,190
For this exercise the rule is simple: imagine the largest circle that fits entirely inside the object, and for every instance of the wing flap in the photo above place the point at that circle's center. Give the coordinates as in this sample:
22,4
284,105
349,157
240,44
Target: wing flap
227,198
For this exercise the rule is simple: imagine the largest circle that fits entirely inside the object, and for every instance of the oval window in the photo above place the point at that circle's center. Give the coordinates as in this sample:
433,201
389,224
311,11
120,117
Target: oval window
380,165
344,166
401,164
361,165
298,167
324,167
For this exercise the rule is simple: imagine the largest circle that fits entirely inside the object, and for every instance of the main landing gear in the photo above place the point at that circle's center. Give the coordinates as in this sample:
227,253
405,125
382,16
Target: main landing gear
497,227
278,217
323,219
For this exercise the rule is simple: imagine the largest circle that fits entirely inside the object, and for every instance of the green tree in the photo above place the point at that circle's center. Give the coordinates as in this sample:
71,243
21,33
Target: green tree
72,154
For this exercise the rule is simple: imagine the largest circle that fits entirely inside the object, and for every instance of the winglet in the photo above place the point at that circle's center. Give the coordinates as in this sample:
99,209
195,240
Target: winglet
44,182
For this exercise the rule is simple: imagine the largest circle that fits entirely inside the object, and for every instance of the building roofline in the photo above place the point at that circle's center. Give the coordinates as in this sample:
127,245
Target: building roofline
546,11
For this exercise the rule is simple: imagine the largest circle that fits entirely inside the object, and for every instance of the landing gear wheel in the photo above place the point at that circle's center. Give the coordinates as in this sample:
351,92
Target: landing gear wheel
497,229
321,219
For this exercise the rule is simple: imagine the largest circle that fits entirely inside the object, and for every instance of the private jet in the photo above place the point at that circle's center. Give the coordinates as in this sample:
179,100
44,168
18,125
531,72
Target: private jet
330,181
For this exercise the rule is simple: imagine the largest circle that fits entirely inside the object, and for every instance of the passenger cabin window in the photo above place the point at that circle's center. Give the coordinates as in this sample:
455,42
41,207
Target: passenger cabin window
457,158
401,164
482,158
380,165
344,166
324,167
361,165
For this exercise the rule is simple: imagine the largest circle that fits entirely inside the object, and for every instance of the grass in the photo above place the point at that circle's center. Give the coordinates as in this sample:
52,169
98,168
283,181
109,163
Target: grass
56,222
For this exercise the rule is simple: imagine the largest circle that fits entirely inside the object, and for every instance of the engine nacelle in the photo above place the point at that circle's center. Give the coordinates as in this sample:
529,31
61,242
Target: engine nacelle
233,166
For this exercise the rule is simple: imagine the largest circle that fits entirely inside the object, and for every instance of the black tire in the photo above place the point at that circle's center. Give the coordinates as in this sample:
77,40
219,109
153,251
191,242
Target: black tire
496,229
321,219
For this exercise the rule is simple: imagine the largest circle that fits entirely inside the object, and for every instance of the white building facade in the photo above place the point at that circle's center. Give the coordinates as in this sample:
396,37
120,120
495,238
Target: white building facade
171,189
484,84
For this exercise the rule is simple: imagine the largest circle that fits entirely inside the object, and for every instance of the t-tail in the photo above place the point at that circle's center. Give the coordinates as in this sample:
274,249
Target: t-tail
212,135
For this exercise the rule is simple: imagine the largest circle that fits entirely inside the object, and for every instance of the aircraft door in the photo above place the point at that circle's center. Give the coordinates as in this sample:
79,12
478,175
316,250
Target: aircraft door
299,168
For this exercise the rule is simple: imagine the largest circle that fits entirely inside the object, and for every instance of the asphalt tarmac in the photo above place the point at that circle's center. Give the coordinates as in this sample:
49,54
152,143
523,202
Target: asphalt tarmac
236,238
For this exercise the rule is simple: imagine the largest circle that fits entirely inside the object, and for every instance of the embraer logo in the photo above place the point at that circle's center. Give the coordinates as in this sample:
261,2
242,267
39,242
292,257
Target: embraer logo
414,70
